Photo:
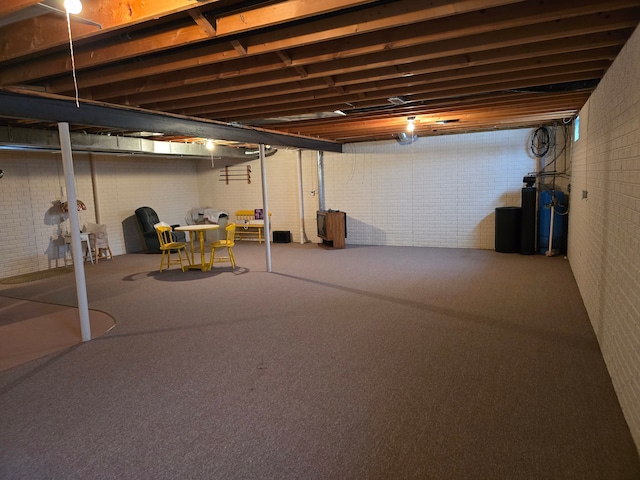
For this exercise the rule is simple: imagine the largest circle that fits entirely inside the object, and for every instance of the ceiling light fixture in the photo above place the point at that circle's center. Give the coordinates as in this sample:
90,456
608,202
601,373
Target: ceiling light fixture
209,145
411,124
405,139
73,6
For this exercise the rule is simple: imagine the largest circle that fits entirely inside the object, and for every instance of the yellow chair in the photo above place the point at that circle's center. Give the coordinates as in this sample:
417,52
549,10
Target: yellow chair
227,243
168,245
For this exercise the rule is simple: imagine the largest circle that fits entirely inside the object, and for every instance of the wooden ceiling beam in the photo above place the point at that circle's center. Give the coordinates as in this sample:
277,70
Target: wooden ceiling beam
405,12
279,13
531,36
488,64
185,98
299,127
440,90
92,56
59,63
286,59
33,36
302,72
252,98
444,109
431,106
467,121
468,115
86,59
479,125
490,84
207,27
481,121
239,48
50,31
550,105
157,42
465,24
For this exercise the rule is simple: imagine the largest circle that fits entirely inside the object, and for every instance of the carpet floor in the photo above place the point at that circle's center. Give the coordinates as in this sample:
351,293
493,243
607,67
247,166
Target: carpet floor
30,330
362,363
33,276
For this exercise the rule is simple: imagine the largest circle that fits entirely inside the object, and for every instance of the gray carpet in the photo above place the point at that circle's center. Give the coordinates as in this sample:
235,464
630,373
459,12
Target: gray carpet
33,276
363,363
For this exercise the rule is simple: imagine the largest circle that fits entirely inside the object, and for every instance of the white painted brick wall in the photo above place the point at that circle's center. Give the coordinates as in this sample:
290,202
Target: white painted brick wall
168,185
604,228
33,181
440,191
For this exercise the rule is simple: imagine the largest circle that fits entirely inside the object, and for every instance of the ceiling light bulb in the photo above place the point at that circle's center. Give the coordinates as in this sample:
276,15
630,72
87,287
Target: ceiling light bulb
410,124
209,145
73,6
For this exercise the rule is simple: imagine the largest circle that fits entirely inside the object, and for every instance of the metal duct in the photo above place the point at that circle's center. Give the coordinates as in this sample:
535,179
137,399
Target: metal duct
48,140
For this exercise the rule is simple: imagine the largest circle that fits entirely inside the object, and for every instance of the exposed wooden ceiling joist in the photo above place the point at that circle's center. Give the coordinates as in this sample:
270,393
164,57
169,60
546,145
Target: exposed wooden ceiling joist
289,64
340,30
40,34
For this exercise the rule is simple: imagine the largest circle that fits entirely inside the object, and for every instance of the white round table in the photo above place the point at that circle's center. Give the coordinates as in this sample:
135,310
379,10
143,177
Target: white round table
200,229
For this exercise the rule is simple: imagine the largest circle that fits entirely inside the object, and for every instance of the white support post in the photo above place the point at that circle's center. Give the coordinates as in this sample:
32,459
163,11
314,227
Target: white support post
76,243
265,206
321,205
94,181
303,235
